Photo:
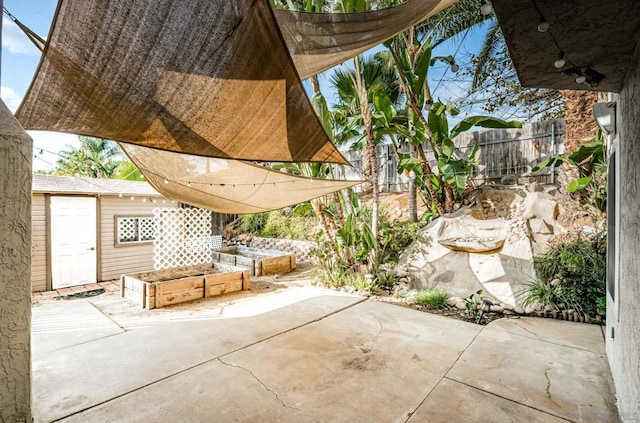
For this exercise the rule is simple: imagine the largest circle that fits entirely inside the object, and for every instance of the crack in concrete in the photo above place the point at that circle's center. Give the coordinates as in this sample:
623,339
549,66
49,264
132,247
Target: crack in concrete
275,394
525,329
548,389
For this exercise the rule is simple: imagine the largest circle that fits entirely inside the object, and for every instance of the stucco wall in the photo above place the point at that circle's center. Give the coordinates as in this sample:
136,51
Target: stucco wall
15,270
623,316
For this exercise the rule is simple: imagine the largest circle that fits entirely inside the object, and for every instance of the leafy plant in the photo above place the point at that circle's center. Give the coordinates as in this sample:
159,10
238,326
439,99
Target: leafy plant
590,162
360,282
253,223
536,292
580,265
330,274
472,302
432,298
601,306
386,278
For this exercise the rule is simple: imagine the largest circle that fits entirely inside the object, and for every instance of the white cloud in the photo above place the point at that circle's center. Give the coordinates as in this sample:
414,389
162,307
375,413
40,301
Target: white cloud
15,41
10,97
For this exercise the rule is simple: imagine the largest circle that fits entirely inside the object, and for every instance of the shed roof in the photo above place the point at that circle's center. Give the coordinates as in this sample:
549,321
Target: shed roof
79,185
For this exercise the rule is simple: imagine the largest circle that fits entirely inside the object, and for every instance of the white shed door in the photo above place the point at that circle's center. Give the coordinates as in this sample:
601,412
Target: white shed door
73,241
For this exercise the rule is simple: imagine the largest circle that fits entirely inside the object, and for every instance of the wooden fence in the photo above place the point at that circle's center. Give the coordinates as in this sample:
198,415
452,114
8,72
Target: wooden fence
501,152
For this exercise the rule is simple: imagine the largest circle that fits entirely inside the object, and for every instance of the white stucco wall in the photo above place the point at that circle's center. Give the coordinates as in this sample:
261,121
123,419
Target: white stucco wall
623,315
15,270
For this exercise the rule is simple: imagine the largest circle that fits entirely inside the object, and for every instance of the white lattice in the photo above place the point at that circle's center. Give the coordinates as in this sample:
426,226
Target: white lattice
147,228
127,230
183,238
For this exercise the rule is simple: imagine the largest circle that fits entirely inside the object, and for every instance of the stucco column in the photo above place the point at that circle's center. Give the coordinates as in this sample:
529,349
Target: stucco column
15,270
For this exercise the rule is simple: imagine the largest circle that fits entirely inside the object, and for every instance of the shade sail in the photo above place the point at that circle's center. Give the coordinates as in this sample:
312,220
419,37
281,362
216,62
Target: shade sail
318,41
226,186
203,77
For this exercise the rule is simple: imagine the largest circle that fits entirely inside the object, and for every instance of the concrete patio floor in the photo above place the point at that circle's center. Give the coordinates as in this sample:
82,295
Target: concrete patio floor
324,358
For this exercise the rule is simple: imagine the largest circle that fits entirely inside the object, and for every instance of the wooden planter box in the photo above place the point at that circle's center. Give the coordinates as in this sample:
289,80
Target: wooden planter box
160,288
259,262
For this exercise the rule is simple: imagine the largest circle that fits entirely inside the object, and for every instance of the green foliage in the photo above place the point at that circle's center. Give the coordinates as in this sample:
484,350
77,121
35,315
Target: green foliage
386,278
580,265
276,224
330,274
95,158
280,225
432,298
253,223
536,292
359,281
472,302
394,236
590,161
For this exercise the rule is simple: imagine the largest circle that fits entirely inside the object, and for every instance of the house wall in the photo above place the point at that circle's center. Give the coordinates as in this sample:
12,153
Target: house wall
623,314
15,269
38,243
117,260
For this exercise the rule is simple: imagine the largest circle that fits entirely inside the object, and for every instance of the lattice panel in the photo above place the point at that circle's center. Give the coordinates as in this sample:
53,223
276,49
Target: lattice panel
183,238
147,228
127,230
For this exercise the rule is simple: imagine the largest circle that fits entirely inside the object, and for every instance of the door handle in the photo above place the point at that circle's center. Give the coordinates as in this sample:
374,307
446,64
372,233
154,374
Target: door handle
92,248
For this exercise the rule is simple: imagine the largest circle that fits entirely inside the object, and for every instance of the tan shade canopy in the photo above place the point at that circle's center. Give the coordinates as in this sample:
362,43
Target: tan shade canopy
226,186
319,41
204,77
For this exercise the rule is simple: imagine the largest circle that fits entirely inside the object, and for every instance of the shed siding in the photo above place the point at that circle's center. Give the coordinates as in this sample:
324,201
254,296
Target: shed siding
38,244
115,261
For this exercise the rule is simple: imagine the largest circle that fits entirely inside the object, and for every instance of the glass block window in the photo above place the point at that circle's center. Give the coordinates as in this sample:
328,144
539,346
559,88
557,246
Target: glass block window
130,230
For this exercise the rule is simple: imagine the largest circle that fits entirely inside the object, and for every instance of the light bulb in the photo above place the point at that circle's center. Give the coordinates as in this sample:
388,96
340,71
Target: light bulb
486,8
581,79
166,181
412,132
120,195
455,68
189,184
543,26
560,62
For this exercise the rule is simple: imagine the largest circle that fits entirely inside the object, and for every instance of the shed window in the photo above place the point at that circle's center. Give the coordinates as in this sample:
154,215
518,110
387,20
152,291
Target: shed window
130,230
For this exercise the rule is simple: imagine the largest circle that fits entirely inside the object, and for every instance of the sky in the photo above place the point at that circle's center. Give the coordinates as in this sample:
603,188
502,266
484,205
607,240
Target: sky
20,60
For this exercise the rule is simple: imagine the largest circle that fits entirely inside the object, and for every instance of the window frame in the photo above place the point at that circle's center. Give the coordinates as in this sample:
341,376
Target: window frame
116,234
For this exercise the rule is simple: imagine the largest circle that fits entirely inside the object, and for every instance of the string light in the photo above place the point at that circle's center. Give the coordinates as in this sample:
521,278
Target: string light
559,64
189,184
166,181
486,8
543,26
454,67
120,195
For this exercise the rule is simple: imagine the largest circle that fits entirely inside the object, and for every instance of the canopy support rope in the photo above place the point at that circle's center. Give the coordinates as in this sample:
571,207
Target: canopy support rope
37,40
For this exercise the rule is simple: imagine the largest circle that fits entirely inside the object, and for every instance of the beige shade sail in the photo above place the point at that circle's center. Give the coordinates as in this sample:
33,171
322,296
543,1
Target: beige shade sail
203,77
226,186
319,41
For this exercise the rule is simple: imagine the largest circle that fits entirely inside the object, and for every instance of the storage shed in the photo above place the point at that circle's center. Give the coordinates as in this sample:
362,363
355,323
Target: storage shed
87,230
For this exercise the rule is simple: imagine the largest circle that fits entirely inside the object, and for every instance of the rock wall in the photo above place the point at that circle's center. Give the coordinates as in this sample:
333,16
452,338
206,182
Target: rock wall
488,245
15,270
301,249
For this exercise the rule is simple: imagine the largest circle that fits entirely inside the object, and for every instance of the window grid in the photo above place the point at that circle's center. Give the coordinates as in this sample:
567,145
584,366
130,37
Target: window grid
132,230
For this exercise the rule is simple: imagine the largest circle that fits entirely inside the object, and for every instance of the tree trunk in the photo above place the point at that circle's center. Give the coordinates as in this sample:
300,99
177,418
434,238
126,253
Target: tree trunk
580,128
413,203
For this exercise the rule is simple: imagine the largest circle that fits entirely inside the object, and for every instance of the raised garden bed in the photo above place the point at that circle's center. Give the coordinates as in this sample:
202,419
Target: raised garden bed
259,262
160,288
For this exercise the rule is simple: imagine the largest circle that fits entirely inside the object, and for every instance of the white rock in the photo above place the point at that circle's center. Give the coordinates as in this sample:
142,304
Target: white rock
461,305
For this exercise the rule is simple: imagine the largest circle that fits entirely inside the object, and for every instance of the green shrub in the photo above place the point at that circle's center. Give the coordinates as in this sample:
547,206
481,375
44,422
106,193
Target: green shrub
394,236
253,223
580,265
279,225
331,275
536,292
432,298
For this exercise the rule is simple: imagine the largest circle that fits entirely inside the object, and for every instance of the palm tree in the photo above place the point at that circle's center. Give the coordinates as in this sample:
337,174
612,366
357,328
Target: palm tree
95,158
366,95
